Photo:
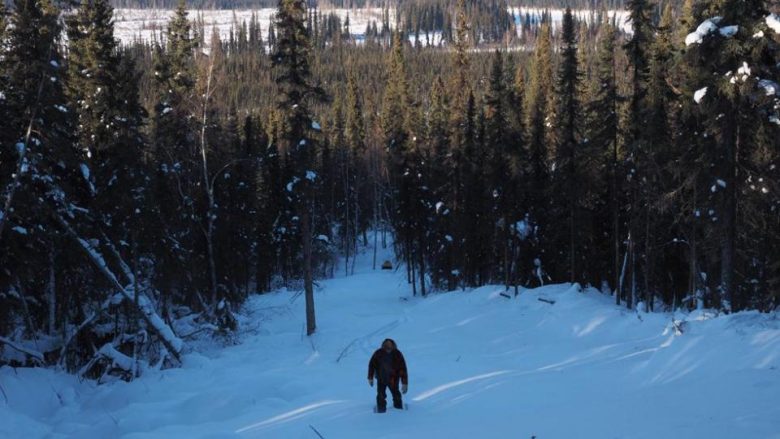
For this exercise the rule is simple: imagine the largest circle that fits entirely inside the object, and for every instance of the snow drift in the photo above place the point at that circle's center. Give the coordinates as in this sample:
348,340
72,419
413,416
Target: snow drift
555,362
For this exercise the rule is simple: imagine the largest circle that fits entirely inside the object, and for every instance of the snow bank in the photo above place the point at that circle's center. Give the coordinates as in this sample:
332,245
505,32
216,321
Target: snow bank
480,365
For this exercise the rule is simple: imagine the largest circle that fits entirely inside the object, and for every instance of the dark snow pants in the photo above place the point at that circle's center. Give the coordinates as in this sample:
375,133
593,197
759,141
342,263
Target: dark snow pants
381,395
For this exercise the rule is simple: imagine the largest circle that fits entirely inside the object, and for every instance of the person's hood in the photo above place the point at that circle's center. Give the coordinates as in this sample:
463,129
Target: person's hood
395,346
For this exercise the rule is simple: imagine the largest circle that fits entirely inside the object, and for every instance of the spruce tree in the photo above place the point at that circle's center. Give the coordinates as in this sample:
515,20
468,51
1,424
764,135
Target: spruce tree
538,104
603,129
460,139
393,122
731,68
173,139
103,91
38,122
637,51
440,179
567,178
355,138
499,151
522,230
300,135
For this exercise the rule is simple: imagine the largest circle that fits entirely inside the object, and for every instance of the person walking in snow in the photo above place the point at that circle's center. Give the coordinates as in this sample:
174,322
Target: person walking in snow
389,367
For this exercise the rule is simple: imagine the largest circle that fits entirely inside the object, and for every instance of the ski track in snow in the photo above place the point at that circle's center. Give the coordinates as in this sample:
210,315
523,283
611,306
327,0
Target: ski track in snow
480,366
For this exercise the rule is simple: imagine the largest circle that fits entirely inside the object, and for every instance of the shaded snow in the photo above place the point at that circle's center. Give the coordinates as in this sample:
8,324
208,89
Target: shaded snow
480,365
770,87
728,31
86,174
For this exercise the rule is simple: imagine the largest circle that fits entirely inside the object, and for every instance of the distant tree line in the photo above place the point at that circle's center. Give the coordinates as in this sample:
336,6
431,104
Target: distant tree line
351,4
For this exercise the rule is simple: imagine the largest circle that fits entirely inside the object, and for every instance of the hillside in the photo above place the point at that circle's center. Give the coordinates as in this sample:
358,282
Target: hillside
481,365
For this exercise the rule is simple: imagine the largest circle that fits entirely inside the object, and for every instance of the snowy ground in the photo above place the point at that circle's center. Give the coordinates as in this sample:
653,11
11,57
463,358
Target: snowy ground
621,18
481,366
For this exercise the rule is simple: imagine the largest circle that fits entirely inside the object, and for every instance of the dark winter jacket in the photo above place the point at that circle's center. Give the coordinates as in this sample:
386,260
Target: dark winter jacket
388,367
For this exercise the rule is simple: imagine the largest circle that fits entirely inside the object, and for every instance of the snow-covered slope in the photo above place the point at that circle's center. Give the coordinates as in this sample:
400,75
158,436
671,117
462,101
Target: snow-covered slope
481,366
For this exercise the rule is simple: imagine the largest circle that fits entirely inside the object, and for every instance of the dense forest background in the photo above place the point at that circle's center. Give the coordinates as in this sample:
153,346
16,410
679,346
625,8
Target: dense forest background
147,189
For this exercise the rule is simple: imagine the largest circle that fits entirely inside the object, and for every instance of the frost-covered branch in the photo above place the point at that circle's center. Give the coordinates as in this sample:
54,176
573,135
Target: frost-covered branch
35,355
172,343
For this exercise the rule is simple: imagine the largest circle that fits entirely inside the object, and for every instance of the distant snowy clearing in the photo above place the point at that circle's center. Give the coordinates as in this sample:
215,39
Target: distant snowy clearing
149,24
481,366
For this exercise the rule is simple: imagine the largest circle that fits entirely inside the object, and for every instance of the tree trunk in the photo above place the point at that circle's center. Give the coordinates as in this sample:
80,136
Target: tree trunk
630,299
308,281
412,275
506,252
649,255
51,290
694,274
207,184
134,313
729,215
421,271
376,230
355,234
572,243
615,225
345,226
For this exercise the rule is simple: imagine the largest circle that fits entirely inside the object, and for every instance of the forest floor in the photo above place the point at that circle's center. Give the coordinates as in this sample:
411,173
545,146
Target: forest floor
480,365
